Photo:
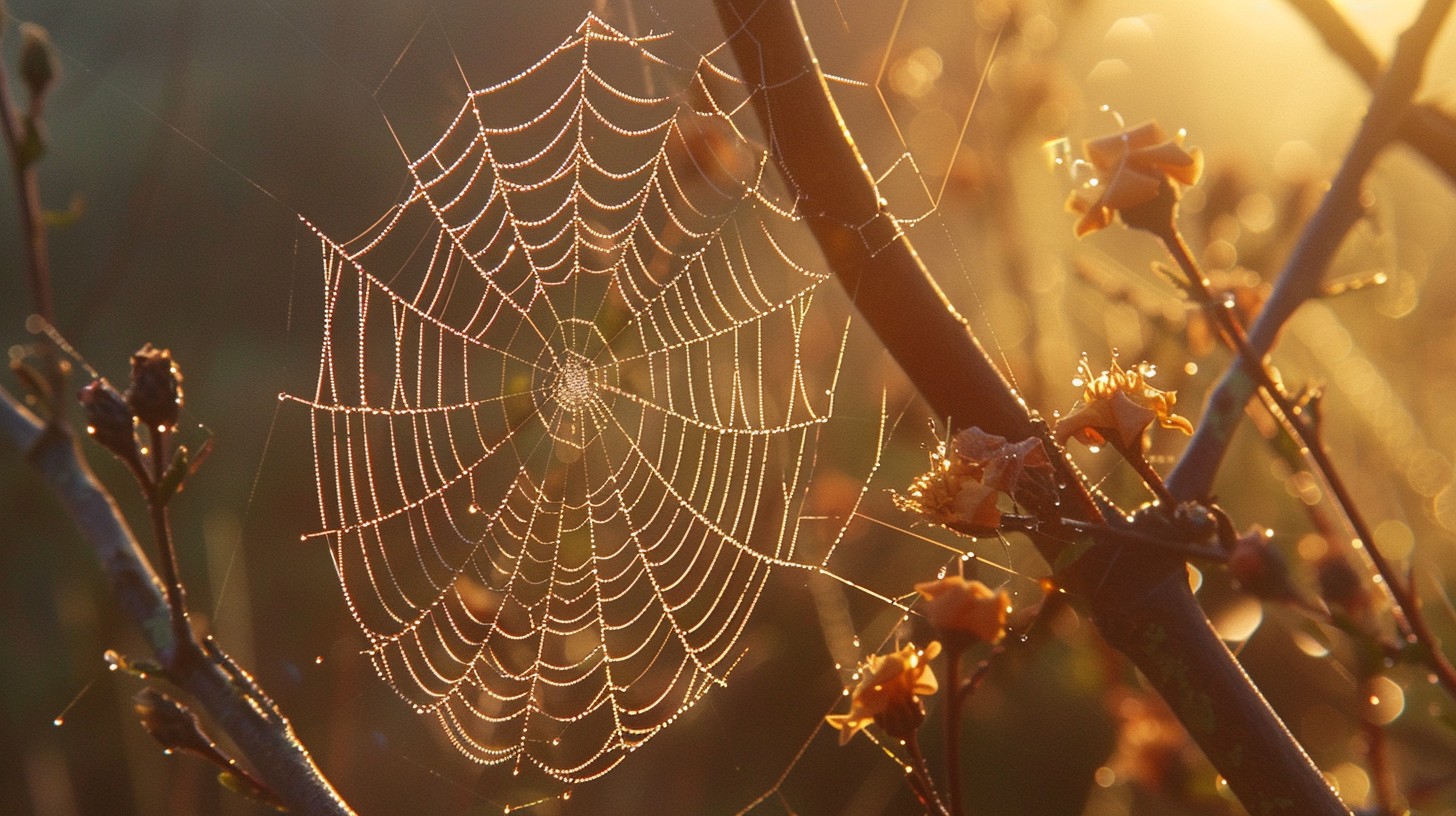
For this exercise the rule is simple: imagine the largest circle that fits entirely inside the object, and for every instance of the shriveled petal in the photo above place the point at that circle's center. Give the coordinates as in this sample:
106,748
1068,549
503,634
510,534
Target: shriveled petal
1002,462
1177,423
974,506
1094,216
1090,421
968,609
848,725
1170,159
1107,152
1128,187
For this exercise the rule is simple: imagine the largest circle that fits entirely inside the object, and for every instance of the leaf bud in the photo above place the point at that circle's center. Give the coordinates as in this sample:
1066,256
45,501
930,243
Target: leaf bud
155,394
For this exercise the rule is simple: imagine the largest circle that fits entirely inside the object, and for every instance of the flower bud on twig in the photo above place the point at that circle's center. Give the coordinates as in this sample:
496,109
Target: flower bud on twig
156,388
38,66
109,420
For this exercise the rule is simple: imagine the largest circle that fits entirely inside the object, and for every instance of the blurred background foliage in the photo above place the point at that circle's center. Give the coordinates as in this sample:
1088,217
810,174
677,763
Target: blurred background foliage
194,134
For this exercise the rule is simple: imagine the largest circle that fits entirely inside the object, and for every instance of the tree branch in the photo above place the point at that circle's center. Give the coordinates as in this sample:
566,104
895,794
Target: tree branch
229,696
235,701
1305,269
1430,130
1144,606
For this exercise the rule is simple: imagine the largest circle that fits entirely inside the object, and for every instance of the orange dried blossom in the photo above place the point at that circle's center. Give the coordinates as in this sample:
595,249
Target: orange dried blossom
963,610
889,692
1133,167
960,491
1118,406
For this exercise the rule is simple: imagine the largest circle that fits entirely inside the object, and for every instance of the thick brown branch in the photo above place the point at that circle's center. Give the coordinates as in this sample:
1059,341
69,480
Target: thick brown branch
1143,605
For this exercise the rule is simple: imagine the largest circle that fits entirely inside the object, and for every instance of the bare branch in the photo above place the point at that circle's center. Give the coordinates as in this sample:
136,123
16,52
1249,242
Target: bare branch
1426,128
229,697
1304,272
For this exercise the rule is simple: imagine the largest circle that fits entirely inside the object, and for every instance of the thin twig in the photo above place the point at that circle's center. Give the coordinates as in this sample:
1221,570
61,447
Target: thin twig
953,703
162,530
920,772
33,232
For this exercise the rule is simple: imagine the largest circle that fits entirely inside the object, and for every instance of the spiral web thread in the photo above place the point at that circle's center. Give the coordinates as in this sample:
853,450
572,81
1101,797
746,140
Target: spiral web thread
569,396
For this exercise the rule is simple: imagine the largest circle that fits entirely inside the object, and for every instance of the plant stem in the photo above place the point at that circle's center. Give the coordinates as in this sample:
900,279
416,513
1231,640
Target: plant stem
1150,477
920,771
33,236
162,530
953,702
230,696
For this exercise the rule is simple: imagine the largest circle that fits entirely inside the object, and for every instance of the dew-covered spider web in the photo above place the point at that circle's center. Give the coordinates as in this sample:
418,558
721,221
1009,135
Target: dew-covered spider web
568,399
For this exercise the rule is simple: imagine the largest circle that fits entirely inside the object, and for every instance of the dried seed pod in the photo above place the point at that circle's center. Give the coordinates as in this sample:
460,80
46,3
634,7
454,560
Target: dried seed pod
156,388
109,420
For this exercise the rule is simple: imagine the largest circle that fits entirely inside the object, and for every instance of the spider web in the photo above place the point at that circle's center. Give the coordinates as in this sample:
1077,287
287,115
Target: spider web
569,393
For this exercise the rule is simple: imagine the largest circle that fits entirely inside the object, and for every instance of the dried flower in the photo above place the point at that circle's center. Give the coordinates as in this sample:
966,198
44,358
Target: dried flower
952,493
965,611
1118,406
889,692
155,394
960,491
1135,167
109,419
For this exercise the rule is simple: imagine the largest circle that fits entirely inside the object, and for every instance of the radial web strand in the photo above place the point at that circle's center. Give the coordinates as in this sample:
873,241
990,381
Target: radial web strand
568,396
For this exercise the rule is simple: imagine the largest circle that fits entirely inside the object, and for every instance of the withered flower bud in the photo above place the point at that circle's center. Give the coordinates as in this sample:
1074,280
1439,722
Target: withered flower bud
109,420
38,65
156,387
